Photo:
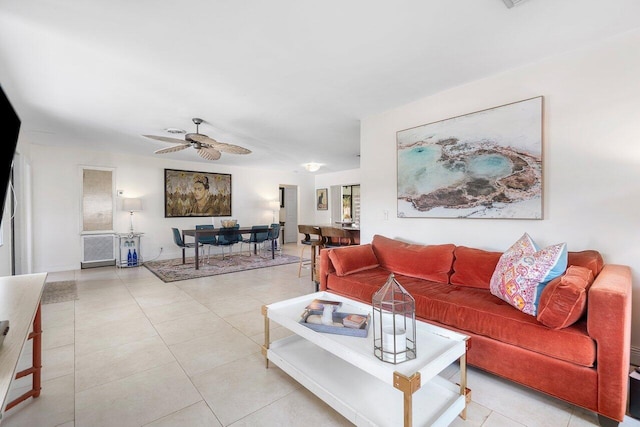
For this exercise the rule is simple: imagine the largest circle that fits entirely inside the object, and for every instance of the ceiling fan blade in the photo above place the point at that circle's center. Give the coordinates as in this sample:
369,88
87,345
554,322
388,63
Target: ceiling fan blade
220,146
209,153
171,149
167,139
230,148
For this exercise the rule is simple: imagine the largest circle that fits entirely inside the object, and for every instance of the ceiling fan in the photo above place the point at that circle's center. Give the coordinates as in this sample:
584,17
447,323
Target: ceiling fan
207,148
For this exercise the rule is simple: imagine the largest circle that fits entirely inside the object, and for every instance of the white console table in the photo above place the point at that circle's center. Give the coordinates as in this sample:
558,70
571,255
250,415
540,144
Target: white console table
20,304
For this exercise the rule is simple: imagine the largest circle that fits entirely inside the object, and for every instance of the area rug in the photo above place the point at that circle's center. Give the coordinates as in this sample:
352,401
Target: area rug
173,270
61,291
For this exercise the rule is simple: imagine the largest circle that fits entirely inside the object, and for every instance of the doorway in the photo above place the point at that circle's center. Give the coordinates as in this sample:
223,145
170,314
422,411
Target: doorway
289,212
21,216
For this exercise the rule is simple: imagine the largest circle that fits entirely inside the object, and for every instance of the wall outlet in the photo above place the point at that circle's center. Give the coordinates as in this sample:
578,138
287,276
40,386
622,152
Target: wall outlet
386,215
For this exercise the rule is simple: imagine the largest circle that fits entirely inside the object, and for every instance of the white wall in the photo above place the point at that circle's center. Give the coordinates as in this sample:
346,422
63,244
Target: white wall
57,201
591,157
5,229
326,180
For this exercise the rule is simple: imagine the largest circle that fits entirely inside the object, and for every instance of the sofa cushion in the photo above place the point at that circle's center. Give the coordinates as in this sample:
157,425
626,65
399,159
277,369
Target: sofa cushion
523,271
431,262
475,311
361,285
352,259
564,300
473,267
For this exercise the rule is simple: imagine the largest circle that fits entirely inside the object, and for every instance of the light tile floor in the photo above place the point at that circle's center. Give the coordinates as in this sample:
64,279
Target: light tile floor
134,351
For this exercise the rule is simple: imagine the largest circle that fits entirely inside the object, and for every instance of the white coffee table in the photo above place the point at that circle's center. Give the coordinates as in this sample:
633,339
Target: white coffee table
343,371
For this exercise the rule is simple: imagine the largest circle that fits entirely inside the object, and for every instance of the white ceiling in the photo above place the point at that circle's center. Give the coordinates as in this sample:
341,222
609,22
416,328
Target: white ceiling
288,79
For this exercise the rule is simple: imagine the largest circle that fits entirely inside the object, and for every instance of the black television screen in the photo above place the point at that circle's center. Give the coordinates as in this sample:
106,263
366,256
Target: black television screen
8,142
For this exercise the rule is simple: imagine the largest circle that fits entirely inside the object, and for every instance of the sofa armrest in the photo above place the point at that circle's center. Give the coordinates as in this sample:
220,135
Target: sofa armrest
609,324
326,267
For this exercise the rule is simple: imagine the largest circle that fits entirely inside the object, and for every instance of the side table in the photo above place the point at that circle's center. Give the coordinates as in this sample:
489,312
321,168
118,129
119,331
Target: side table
129,242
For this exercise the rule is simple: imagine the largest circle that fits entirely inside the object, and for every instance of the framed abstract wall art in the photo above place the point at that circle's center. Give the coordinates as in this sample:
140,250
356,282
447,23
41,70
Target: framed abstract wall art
189,193
486,164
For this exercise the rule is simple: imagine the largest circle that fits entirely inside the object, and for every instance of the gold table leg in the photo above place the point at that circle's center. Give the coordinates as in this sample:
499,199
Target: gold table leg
408,386
463,384
265,347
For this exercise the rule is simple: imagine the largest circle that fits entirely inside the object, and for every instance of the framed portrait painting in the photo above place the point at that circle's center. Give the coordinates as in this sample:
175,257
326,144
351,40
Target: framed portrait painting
190,193
321,197
486,164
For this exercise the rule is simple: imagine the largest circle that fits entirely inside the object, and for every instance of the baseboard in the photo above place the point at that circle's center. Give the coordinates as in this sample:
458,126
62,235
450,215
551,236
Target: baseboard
635,356
93,264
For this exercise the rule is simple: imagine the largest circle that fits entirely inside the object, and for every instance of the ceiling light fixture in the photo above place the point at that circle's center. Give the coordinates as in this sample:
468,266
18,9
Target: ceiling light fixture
511,3
312,167
175,130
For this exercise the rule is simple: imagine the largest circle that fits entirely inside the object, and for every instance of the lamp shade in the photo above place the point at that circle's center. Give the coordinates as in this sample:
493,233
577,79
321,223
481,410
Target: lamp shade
274,204
132,205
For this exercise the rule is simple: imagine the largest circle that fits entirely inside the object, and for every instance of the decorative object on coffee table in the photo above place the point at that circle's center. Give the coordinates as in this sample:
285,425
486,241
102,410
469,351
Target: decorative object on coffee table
313,319
394,323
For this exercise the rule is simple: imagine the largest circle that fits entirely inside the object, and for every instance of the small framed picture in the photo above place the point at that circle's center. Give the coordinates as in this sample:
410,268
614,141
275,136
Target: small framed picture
321,197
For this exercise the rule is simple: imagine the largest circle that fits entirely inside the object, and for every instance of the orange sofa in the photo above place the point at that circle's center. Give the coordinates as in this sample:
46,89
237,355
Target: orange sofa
585,363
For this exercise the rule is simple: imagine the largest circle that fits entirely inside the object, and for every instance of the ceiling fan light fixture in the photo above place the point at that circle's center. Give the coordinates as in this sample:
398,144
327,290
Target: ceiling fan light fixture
312,166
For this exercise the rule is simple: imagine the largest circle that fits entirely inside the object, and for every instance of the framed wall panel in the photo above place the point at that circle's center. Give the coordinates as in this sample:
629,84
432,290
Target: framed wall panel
97,199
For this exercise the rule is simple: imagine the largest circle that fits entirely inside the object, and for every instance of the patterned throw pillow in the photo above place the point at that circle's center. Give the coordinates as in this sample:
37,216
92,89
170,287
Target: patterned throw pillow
523,271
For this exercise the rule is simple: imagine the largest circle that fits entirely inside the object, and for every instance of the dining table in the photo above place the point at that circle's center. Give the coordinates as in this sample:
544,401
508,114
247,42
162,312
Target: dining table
200,232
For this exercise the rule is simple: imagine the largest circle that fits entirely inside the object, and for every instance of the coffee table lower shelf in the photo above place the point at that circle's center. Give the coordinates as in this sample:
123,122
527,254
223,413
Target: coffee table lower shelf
362,398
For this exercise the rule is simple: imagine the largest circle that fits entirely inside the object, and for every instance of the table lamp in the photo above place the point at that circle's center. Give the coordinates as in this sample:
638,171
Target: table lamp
132,205
275,206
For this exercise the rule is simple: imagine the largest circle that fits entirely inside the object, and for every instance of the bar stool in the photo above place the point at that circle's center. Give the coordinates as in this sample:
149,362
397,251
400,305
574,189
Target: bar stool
313,243
334,237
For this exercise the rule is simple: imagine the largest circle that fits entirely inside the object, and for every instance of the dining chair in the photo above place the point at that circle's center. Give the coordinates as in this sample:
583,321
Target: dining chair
177,239
228,237
309,242
274,235
259,234
207,240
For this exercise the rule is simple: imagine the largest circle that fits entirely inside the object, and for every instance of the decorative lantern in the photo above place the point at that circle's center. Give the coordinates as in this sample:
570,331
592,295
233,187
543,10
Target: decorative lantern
394,323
